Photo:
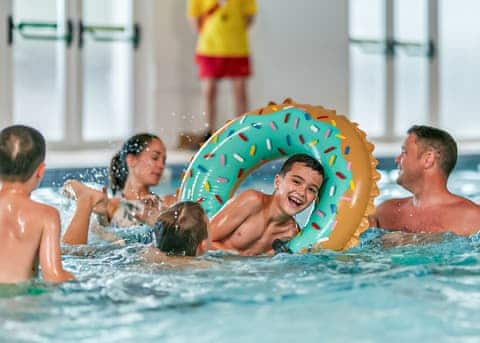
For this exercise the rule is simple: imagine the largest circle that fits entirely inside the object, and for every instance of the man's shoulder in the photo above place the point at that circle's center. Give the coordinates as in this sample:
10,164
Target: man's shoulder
394,203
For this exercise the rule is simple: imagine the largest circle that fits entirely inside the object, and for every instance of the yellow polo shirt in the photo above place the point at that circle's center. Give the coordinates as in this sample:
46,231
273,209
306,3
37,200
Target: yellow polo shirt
224,32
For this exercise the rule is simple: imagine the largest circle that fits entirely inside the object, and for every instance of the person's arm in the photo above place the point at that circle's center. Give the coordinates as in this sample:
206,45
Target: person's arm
383,212
50,252
234,213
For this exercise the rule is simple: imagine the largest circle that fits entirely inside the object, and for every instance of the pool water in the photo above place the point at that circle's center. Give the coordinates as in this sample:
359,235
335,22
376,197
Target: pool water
423,292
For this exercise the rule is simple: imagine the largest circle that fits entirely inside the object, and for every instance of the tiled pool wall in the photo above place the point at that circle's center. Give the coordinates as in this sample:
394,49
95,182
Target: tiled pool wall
55,177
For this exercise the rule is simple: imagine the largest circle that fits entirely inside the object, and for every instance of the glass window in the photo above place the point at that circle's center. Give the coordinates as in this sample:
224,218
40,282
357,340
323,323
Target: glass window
107,76
411,64
459,72
37,86
367,65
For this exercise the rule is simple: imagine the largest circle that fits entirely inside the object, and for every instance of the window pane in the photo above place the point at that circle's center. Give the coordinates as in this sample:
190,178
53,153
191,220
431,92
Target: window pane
411,65
36,78
459,72
367,65
107,103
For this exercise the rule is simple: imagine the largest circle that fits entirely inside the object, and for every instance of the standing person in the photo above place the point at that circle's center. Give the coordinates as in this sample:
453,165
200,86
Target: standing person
222,50
29,231
136,168
428,156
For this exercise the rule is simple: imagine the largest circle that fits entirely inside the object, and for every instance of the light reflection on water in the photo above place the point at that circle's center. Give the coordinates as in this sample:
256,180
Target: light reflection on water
368,293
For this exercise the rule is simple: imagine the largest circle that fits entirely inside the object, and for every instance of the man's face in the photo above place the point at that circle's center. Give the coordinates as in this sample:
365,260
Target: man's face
298,188
409,162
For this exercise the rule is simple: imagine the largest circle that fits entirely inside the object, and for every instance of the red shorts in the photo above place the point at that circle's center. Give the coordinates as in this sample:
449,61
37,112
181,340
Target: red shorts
218,67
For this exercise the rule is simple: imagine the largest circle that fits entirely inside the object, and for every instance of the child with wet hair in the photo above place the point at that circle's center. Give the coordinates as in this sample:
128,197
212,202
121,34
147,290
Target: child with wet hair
181,230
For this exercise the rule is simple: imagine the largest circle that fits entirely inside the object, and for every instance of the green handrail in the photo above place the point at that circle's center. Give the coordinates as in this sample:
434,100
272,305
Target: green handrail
388,47
100,33
24,30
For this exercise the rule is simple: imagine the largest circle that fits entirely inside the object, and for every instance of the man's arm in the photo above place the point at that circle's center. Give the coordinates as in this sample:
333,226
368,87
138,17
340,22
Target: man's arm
234,213
50,253
381,212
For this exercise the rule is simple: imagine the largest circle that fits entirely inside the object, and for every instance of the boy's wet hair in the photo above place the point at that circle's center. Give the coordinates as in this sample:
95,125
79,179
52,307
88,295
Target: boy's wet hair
440,141
305,159
22,149
118,171
180,229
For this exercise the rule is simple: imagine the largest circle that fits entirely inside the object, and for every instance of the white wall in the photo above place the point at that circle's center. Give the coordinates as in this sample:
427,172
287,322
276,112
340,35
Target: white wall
299,52
5,71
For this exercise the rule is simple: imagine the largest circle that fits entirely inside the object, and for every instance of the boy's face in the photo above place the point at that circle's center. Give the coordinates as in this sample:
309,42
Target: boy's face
298,188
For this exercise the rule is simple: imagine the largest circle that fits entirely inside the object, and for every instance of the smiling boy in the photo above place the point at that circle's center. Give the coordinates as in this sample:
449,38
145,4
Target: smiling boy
251,221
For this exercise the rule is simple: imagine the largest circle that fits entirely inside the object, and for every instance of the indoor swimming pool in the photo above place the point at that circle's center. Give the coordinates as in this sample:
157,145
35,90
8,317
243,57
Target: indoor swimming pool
372,293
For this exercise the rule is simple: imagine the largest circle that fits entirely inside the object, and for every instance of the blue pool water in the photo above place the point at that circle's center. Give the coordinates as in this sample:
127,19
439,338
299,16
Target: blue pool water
424,292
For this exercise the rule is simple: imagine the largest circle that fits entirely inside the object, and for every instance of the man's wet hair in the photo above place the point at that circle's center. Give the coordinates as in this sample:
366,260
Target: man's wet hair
22,149
440,141
180,229
305,159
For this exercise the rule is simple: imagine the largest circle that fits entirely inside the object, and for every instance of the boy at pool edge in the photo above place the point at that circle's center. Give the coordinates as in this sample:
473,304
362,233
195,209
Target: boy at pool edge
250,222
29,231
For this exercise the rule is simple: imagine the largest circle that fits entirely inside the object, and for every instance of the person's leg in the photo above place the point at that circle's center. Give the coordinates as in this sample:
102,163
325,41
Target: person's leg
89,201
209,92
239,85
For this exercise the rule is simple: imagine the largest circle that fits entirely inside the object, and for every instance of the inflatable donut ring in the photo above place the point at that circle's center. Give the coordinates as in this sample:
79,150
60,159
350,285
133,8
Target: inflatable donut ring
345,199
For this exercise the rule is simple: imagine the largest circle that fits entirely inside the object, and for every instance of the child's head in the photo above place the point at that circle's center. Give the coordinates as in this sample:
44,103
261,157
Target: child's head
143,157
182,230
22,151
298,182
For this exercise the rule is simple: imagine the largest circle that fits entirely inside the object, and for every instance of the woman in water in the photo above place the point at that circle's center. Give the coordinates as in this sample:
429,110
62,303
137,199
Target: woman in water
134,169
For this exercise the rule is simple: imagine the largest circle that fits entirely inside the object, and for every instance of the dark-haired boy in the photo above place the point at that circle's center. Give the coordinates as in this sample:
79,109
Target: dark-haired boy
250,222
29,231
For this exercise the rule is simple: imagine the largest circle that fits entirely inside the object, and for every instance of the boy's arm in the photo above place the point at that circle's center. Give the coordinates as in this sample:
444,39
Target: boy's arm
50,252
234,213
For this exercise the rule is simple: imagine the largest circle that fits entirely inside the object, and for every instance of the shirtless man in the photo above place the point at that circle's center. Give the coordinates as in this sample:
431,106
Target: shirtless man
427,158
250,222
29,231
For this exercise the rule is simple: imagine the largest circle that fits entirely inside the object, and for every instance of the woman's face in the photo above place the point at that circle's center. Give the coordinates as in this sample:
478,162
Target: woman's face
147,167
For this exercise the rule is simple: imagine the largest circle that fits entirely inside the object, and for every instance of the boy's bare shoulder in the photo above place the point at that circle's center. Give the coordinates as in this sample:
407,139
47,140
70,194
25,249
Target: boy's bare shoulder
47,212
250,198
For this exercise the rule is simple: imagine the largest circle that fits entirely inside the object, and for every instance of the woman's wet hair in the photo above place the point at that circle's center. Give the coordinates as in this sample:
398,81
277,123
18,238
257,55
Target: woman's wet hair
440,141
22,149
118,172
180,229
305,159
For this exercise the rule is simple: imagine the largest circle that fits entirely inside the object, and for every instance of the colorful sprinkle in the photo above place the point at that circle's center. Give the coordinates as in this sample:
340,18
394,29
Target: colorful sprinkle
320,213
295,123
313,143
334,123
333,208
219,199
257,126
273,126
328,133
347,150
334,224
281,151
269,144
202,168
252,151
230,132
240,173
200,199
207,156
314,128
287,116
223,159
243,137
206,185
238,158
340,175
352,185
331,191
344,198
222,179
301,139
322,117
315,226
190,172
340,136
307,116
349,165
332,160
289,140
327,150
